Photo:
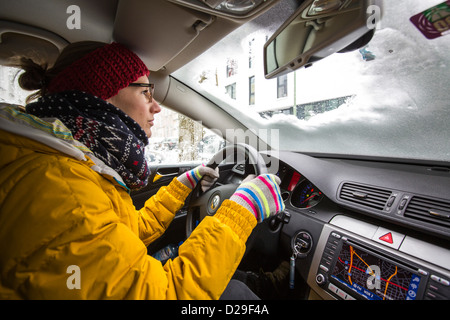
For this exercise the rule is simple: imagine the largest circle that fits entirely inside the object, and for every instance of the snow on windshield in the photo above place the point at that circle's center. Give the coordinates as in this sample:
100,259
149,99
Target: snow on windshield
395,103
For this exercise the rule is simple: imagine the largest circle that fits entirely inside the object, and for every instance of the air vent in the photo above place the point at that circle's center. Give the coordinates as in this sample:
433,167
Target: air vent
365,195
429,210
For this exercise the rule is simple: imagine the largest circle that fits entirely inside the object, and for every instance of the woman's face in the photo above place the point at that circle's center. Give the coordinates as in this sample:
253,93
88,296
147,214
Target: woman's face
135,103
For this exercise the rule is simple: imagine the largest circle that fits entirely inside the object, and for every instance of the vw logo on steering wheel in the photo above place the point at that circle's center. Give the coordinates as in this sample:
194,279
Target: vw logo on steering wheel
215,201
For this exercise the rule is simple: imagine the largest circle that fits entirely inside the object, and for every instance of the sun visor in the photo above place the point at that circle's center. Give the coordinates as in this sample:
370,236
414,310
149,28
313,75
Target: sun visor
144,27
19,40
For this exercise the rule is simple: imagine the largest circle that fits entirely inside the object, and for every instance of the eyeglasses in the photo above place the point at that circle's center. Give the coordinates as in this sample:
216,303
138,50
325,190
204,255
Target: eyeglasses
150,86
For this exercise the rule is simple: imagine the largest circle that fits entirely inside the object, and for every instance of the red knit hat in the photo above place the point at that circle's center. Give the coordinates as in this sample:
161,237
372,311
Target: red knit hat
103,72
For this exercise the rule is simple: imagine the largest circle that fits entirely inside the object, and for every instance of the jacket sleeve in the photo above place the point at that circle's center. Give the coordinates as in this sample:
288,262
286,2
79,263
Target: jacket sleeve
209,257
206,262
159,210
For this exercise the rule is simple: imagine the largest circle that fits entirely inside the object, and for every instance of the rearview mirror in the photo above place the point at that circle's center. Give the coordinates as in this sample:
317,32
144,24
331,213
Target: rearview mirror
317,29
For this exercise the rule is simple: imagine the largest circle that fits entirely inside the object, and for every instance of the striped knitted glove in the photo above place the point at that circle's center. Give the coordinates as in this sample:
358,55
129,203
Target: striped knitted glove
192,177
261,196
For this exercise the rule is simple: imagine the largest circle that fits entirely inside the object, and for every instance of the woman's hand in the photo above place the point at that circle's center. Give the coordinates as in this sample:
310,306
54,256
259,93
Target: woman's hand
192,177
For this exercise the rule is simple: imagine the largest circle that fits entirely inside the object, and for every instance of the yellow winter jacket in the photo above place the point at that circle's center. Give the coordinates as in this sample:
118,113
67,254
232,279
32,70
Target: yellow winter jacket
69,230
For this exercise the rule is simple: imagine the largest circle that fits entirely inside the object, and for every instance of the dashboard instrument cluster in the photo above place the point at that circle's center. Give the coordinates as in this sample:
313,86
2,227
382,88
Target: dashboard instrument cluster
301,192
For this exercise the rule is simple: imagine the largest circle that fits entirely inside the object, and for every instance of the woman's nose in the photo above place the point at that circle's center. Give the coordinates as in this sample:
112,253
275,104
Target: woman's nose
155,107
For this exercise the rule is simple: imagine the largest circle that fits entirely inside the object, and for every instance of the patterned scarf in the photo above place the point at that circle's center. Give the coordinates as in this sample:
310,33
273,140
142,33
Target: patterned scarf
106,130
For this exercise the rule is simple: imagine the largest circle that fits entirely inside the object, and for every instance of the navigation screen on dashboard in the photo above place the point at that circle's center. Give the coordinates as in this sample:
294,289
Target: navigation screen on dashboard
373,277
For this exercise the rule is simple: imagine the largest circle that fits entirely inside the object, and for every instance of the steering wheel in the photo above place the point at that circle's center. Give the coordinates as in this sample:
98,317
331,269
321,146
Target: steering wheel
201,205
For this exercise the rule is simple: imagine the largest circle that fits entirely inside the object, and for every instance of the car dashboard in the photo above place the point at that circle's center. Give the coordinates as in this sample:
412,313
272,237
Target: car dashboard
366,229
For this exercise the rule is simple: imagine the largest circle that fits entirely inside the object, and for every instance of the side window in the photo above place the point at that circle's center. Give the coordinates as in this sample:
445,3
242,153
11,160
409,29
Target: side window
178,139
10,92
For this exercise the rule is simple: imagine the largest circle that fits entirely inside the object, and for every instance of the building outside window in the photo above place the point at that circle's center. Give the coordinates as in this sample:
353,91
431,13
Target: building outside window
231,67
231,90
251,90
282,86
251,55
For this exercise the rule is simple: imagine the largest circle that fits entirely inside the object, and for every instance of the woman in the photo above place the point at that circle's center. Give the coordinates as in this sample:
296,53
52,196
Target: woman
68,228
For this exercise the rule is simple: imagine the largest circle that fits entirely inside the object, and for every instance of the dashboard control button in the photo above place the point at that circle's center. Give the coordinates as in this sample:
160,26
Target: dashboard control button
332,288
323,268
445,282
320,279
423,272
435,278
388,238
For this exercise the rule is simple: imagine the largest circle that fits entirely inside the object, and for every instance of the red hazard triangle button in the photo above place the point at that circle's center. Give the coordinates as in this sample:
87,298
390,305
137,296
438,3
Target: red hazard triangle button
387,238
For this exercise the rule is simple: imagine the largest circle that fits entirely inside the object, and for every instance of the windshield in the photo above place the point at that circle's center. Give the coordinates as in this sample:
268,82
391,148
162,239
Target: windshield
388,99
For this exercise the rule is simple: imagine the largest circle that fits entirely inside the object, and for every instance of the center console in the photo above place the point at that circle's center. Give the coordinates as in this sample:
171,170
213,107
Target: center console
353,261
